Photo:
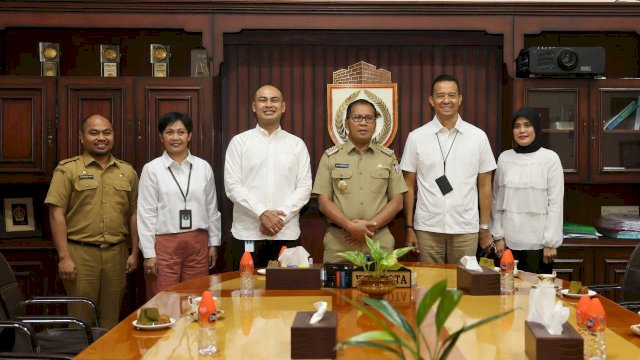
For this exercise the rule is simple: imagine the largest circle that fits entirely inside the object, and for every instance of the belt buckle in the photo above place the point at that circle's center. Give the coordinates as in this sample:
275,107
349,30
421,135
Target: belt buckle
104,245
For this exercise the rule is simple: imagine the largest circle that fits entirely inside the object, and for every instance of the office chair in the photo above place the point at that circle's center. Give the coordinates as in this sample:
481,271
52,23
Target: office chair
15,325
630,289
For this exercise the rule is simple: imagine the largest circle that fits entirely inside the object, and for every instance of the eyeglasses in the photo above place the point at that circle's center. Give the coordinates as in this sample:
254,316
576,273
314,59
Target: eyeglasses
368,119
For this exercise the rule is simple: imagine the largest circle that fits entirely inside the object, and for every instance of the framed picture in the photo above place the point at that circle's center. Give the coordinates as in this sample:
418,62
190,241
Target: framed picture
383,96
19,218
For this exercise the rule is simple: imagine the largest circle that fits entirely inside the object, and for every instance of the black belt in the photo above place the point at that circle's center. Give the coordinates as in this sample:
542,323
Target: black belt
94,245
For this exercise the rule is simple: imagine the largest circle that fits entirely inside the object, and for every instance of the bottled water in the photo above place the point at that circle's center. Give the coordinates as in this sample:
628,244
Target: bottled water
207,312
506,281
246,284
246,274
207,344
595,345
506,273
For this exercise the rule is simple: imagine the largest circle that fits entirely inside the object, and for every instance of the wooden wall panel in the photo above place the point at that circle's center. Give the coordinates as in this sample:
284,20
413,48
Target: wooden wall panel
301,64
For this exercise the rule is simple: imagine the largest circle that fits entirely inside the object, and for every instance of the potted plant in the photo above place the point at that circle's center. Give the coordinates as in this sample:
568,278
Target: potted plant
376,284
410,340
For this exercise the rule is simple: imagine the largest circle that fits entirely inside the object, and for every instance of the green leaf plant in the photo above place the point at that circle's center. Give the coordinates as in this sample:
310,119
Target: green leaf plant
380,260
411,340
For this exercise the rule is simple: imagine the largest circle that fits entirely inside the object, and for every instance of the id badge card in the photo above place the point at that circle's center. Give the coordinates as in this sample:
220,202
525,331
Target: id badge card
185,219
444,185
248,245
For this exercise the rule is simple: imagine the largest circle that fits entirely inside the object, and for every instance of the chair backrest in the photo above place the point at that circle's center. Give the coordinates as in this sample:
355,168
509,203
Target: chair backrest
631,286
10,295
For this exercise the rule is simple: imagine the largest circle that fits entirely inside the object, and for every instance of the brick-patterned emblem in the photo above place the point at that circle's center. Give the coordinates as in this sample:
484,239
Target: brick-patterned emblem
362,81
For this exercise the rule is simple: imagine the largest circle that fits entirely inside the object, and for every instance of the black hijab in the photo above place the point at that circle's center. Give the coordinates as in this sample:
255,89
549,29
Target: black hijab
533,116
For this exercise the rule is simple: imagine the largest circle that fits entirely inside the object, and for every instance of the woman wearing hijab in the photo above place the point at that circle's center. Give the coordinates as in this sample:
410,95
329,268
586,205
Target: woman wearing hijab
528,191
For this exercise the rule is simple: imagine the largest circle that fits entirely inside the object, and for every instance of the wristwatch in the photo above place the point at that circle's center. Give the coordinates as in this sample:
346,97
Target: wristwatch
484,226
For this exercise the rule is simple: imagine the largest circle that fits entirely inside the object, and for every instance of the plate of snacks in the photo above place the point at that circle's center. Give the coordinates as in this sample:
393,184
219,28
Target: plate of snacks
567,293
151,319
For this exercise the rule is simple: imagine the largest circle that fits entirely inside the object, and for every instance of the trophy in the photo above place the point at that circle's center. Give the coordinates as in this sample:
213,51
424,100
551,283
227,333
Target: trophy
199,63
49,58
109,60
160,55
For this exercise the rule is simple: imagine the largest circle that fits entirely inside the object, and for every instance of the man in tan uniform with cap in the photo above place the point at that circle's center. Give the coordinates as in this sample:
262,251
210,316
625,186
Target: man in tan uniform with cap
359,186
92,210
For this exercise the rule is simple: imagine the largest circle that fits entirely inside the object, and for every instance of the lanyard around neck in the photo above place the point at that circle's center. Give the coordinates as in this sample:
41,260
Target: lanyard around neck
444,158
184,195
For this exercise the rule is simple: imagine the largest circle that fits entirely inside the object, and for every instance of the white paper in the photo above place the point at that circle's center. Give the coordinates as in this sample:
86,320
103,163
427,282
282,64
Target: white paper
545,310
321,308
294,257
470,263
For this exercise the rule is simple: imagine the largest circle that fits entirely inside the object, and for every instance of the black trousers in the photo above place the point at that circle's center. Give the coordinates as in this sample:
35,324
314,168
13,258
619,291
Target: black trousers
532,261
263,251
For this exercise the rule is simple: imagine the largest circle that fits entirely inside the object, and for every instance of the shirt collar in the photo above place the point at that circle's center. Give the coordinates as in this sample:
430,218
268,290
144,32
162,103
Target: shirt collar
167,160
349,146
436,126
88,160
265,133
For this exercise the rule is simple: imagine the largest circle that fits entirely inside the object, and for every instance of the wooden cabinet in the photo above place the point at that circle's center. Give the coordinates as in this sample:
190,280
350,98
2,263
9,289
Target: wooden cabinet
27,122
574,113
594,262
134,105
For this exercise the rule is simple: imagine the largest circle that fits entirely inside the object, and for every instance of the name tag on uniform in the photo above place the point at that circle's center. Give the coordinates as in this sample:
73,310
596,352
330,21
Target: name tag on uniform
86,177
342,166
185,219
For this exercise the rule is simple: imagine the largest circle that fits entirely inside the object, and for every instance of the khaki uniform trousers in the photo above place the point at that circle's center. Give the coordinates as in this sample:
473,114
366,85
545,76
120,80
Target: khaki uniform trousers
334,243
439,248
101,277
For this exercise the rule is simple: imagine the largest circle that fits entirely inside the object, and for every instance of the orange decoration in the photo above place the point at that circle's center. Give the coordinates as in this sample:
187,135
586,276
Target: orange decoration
506,262
207,308
282,249
582,310
597,319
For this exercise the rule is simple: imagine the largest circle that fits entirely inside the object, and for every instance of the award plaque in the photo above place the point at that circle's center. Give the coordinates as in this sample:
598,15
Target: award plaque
199,63
160,55
109,60
49,58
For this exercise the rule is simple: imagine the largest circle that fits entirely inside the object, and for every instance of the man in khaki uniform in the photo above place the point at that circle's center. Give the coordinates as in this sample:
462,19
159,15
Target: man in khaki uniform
92,210
359,186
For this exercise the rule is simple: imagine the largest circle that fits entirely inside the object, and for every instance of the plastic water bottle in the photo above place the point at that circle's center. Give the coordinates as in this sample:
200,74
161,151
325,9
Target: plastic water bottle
246,274
207,344
506,273
595,345
582,314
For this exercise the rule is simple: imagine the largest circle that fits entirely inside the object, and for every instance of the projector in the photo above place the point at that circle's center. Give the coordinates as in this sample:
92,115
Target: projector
560,62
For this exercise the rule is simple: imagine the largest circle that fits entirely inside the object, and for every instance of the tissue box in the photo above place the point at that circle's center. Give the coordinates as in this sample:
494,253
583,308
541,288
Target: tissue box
486,282
313,341
294,278
540,345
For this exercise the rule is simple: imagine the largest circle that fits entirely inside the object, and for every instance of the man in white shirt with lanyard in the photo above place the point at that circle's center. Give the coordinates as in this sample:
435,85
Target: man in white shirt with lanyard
448,162
267,175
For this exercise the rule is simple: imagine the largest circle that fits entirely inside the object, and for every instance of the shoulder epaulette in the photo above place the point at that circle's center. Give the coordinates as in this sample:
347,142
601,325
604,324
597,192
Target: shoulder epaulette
385,150
332,150
66,161
123,162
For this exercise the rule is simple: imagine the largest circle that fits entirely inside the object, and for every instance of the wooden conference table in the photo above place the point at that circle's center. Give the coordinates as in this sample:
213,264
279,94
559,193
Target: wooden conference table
258,327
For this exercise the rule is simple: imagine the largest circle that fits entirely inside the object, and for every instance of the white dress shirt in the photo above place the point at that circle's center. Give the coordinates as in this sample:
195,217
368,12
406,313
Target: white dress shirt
469,154
160,200
528,192
266,172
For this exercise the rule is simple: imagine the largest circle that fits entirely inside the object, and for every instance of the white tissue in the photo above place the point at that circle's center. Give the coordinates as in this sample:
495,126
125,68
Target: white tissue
294,257
470,263
545,310
321,308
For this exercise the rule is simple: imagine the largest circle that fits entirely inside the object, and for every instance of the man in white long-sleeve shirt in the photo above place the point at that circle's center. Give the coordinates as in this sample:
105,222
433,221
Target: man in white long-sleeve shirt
267,175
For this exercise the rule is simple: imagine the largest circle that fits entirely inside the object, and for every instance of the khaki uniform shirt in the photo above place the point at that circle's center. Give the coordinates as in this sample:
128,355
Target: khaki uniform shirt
359,184
98,202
